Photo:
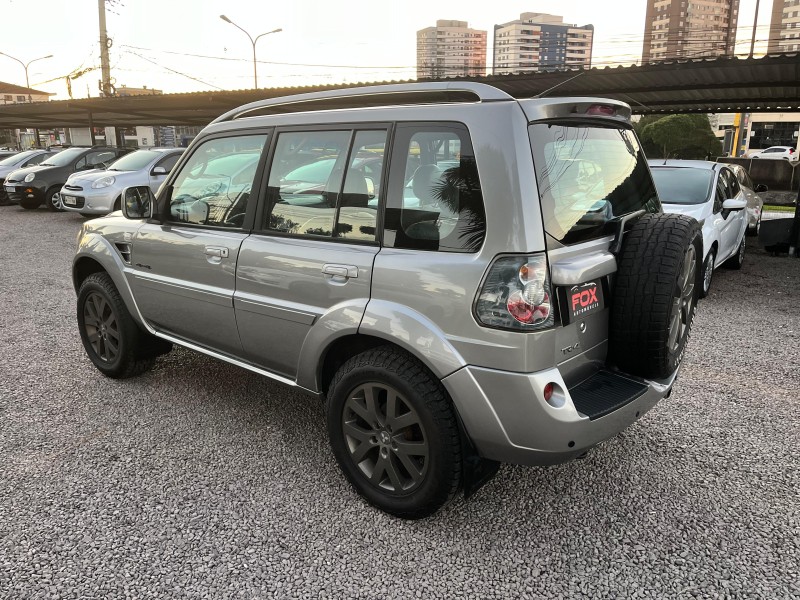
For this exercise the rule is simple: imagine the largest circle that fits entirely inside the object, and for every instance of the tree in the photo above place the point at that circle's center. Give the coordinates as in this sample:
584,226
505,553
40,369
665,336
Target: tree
680,136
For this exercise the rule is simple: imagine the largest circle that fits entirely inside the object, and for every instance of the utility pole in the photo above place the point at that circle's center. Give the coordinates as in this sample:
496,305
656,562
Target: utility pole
753,38
105,66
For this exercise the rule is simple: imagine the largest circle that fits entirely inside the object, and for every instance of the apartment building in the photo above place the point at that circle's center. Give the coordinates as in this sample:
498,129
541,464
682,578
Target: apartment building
689,29
539,42
451,49
784,30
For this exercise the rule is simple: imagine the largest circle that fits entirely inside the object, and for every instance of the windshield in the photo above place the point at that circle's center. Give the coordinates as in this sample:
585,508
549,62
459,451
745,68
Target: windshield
16,158
64,158
135,160
587,177
683,185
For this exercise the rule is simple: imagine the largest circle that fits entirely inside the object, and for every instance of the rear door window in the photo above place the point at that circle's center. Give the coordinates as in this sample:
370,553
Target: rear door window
588,176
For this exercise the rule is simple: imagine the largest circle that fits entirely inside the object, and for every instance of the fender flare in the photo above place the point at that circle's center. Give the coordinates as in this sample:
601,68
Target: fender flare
98,249
413,332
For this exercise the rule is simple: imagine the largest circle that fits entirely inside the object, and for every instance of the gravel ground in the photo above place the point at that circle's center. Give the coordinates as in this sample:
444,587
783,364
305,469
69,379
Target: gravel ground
202,480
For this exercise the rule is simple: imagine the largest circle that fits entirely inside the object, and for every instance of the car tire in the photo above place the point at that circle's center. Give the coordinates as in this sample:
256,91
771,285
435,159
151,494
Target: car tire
30,204
754,231
50,200
409,463
708,273
655,294
112,339
736,261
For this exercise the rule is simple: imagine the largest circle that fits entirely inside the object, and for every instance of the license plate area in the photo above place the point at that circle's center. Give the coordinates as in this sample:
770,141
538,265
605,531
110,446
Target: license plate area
69,200
580,301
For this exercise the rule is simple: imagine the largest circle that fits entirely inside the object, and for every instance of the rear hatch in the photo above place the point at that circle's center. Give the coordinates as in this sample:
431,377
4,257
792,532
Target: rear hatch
590,172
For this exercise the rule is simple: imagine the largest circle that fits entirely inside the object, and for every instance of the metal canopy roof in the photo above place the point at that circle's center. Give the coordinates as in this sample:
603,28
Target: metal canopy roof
768,84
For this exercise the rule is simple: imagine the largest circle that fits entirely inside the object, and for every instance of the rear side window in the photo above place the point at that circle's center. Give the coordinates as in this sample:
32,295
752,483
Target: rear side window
434,198
587,177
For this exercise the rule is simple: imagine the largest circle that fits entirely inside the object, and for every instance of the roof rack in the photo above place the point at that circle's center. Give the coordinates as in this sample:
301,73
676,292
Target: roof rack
376,95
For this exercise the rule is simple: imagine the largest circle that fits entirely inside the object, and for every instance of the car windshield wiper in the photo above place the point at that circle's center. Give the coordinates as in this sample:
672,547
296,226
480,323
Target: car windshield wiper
46,165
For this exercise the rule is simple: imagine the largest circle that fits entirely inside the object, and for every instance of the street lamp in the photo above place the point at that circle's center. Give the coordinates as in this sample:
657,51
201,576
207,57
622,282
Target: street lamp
252,41
25,66
28,83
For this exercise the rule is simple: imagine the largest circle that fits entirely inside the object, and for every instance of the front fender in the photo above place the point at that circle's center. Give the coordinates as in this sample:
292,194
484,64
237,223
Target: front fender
96,248
413,332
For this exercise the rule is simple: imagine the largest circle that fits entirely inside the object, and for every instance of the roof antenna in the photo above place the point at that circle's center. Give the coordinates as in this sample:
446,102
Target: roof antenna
548,90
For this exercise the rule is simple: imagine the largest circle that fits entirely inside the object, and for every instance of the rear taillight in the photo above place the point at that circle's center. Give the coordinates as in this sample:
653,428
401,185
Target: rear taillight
516,294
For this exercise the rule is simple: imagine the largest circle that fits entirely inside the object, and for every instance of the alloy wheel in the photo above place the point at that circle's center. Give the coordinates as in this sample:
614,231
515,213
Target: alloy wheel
385,438
102,328
708,272
683,299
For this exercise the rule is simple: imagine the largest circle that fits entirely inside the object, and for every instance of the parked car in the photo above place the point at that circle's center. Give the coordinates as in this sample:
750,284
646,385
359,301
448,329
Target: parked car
502,287
19,160
31,186
777,153
711,193
98,192
755,203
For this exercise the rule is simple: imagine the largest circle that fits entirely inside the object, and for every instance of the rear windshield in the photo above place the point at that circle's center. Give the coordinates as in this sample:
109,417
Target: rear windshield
683,185
588,176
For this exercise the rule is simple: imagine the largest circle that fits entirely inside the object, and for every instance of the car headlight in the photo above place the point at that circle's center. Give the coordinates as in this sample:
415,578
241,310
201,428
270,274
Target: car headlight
103,182
30,177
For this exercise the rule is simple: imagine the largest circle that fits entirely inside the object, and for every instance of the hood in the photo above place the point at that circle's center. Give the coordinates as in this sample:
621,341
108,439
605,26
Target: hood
698,211
20,174
6,170
89,176
85,179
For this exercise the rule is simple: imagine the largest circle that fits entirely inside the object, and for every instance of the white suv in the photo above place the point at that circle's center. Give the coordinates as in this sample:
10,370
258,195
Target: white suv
463,277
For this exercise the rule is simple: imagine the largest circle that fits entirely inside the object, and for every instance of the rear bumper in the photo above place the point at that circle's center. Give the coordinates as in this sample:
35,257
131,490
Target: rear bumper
508,419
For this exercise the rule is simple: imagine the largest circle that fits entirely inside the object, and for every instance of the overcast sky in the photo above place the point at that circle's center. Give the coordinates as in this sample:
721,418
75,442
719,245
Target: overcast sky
323,41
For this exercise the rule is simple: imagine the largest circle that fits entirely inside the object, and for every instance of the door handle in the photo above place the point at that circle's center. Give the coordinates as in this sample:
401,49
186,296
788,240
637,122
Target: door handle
217,251
342,271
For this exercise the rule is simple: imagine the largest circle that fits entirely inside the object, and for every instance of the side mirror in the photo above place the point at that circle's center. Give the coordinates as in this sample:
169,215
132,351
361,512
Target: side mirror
760,188
734,204
138,202
159,171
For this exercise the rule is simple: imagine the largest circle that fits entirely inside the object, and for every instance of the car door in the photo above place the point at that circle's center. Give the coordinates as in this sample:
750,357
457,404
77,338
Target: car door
308,269
185,265
167,163
732,222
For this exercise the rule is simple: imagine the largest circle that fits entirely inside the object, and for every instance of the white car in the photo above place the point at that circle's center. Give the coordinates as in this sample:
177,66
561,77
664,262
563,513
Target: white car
97,192
777,153
709,192
755,203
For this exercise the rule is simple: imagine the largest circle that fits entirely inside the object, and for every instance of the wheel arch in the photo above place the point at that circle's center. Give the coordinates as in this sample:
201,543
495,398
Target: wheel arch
96,254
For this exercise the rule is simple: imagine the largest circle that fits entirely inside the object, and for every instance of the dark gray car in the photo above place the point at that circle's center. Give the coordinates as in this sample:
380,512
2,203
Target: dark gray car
476,279
31,186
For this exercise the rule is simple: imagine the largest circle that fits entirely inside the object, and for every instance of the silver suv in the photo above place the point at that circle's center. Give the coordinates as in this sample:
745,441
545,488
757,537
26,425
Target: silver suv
463,277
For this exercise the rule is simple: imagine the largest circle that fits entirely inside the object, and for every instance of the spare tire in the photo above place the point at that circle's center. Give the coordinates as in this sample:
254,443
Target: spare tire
655,294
